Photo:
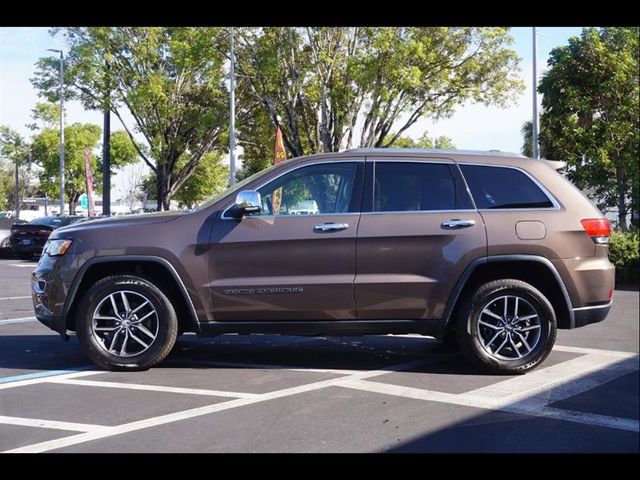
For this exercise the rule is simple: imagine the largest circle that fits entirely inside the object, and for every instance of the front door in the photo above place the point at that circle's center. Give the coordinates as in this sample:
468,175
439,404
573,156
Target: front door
418,235
295,260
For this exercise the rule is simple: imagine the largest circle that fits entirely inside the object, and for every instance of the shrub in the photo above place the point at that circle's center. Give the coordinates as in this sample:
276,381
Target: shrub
624,254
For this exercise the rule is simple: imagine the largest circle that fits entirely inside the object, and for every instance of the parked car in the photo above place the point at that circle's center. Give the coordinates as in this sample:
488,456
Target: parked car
28,239
488,251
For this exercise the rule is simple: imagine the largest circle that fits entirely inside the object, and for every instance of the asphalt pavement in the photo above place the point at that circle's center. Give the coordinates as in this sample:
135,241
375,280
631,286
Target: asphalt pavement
269,393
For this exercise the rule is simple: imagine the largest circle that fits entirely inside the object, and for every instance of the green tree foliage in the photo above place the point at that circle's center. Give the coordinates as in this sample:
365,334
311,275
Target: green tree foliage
318,82
624,253
590,114
171,79
15,150
210,178
46,153
425,141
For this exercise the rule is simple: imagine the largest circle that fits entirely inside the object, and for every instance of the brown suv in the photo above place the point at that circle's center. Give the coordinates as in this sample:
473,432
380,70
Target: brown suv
491,251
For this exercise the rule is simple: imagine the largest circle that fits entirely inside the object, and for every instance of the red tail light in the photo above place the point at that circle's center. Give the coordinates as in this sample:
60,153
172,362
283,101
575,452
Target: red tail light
598,229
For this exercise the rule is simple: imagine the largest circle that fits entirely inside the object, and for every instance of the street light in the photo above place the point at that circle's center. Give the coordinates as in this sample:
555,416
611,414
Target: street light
61,128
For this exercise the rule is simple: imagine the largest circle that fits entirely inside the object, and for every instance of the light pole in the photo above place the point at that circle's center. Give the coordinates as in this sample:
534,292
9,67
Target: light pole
61,128
232,122
534,120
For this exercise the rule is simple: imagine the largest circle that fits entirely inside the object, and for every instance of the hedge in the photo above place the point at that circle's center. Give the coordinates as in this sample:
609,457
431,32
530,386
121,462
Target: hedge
624,254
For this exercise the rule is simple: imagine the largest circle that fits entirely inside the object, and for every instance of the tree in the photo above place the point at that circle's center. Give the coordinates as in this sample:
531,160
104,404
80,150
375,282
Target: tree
590,114
210,178
171,79
46,151
425,141
527,141
317,83
15,149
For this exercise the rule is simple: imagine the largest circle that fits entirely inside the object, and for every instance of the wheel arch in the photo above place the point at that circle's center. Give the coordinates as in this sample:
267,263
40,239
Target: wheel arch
152,268
535,270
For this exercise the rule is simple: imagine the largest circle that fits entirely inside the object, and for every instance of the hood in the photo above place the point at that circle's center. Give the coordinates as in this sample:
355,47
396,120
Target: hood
117,222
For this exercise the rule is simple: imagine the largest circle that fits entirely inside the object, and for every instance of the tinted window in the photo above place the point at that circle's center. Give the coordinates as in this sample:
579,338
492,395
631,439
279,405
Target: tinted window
496,187
312,190
403,187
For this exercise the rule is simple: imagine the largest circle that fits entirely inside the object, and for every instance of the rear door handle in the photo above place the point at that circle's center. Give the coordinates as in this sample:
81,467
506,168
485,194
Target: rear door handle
456,223
327,227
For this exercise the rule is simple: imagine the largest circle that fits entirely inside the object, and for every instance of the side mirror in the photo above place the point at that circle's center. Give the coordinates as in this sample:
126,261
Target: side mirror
247,202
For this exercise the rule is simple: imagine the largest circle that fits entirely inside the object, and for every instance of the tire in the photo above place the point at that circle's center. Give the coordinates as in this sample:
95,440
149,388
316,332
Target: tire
510,347
136,341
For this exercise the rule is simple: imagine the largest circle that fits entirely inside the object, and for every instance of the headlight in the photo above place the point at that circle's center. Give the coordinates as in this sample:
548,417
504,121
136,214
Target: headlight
57,247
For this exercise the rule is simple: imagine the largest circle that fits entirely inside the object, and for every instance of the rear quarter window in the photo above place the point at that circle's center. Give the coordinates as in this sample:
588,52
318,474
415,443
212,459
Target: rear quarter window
501,187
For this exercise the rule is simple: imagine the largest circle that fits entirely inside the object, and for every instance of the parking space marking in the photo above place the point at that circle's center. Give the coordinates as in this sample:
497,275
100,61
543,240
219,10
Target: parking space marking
267,366
151,388
208,409
544,379
9,321
41,423
22,265
593,351
15,298
45,376
466,400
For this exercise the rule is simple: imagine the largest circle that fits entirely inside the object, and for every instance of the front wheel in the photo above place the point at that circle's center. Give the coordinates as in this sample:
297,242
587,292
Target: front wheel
125,322
506,326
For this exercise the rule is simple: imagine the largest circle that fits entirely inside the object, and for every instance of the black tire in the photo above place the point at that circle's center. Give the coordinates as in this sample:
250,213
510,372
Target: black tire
25,256
97,351
469,331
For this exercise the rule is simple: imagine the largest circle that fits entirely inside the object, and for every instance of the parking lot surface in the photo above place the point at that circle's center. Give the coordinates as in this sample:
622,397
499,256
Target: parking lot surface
269,393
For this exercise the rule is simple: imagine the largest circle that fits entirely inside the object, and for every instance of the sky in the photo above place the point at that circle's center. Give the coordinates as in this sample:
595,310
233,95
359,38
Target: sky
472,127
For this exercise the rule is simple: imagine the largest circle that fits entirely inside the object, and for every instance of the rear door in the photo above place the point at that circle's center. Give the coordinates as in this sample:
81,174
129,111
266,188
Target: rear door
418,231
296,259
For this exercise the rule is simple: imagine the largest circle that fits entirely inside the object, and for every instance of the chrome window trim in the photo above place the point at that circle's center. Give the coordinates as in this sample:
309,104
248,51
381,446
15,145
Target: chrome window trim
554,201
413,212
358,160
436,161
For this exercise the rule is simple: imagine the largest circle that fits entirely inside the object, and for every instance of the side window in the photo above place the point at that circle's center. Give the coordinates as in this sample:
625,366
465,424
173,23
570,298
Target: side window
405,187
316,189
497,187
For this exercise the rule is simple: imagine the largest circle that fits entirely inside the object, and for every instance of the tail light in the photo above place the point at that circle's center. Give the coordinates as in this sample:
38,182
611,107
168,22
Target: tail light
598,229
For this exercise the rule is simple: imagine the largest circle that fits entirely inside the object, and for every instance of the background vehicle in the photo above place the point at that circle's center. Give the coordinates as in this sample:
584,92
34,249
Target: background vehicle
489,251
28,239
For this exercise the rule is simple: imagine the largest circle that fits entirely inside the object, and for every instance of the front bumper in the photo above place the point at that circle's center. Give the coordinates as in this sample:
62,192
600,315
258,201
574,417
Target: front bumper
588,315
49,286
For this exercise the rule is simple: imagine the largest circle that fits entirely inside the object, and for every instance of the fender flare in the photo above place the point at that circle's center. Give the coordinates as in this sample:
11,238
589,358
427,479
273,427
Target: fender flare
77,281
462,281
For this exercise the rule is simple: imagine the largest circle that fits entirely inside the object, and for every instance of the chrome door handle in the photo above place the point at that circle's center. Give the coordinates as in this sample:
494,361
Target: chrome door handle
327,227
457,223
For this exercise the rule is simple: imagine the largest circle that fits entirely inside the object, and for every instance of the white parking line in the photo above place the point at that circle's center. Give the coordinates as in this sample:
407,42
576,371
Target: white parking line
268,366
151,388
196,412
495,405
41,423
15,298
22,265
9,321
545,379
43,379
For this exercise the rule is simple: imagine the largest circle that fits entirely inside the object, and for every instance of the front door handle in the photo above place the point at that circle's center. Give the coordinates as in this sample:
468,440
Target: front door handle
327,227
456,223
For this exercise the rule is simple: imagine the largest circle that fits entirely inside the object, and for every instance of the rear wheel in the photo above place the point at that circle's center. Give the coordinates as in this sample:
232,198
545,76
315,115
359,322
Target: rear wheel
506,326
125,322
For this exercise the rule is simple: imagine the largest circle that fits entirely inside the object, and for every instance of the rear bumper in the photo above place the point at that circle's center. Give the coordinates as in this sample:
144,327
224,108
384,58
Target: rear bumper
588,315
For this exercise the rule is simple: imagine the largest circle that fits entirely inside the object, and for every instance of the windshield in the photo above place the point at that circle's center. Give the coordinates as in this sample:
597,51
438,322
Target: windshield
50,221
233,188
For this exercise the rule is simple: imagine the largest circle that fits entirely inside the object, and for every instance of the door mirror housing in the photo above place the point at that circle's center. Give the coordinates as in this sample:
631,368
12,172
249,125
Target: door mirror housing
247,202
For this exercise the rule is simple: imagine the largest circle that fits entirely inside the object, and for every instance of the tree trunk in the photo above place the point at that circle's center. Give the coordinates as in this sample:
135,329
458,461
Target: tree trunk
622,206
161,190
